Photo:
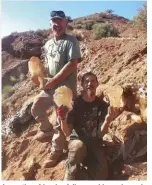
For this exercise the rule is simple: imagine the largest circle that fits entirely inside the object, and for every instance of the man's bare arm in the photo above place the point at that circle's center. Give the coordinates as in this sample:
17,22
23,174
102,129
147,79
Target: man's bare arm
63,114
62,74
66,128
112,114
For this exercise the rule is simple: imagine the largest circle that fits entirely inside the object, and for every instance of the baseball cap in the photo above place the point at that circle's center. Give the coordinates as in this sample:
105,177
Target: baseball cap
60,14
57,14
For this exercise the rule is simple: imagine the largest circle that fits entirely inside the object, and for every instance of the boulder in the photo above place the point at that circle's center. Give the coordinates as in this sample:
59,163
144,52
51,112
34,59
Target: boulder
23,45
131,136
20,120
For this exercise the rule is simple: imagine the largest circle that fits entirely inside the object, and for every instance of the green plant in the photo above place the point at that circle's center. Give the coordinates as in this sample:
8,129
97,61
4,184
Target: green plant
14,33
7,91
109,11
43,33
88,25
79,26
141,18
104,30
78,22
12,78
39,32
69,27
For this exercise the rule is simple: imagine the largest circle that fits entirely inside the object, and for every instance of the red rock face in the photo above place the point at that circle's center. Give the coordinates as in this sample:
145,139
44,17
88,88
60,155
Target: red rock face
23,45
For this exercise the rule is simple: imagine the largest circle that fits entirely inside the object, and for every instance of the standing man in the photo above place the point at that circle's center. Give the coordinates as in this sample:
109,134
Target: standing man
86,124
62,55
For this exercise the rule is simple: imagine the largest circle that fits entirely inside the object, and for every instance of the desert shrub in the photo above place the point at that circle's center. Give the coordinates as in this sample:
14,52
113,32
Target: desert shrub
78,26
22,77
12,78
39,32
88,25
78,36
14,33
78,22
104,30
109,11
69,27
141,18
7,91
42,33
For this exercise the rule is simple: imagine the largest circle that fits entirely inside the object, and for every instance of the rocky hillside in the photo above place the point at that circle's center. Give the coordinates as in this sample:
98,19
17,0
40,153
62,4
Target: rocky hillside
115,60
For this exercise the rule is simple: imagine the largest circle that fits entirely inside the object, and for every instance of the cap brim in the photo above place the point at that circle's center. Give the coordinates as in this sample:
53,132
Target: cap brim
57,17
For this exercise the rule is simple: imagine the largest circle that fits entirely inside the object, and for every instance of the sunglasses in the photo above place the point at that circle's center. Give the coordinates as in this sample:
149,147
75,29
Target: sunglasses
57,13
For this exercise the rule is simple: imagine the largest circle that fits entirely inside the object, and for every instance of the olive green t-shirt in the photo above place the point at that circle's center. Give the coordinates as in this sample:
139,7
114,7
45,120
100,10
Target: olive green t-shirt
58,53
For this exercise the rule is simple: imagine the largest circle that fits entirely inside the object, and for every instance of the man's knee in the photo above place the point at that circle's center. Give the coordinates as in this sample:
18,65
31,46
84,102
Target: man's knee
76,145
36,99
33,110
102,173
58,140
38,106
77,151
